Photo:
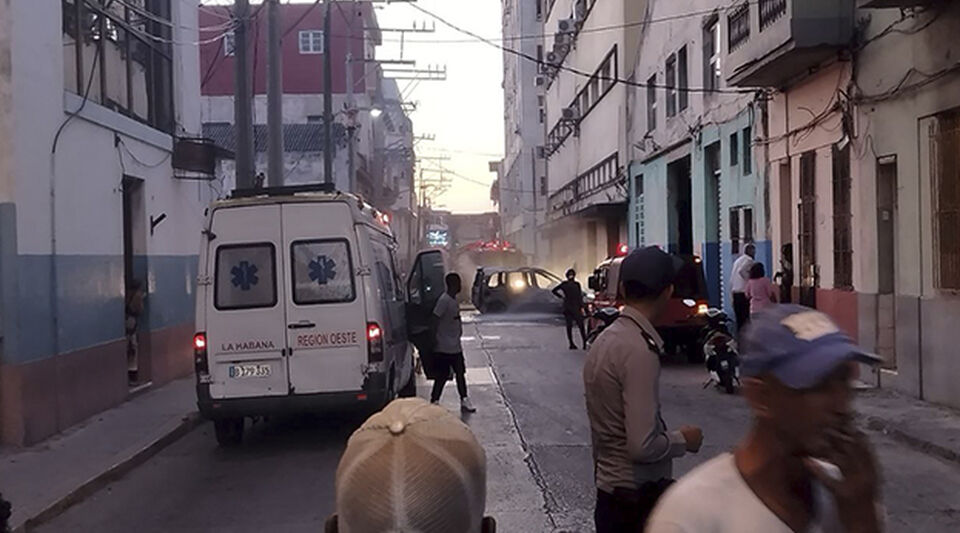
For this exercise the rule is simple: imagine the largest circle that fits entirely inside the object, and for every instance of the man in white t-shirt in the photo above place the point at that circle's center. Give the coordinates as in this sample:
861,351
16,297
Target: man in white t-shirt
803,467
447,351
739,276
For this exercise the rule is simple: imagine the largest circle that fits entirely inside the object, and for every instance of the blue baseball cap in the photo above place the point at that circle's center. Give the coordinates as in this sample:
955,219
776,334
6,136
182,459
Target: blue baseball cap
797,345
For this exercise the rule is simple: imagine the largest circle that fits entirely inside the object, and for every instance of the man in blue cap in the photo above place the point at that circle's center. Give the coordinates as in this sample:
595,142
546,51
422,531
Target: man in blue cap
803,466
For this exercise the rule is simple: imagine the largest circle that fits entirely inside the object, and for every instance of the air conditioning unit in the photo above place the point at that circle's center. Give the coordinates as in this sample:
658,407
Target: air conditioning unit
540,81
570,113
568,26
562,38
562,49
553,58
541,152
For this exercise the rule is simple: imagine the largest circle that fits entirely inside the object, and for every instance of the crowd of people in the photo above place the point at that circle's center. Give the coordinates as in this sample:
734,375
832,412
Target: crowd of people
803,465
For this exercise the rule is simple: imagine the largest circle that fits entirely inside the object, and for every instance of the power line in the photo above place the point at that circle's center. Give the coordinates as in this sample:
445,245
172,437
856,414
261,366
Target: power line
571,69
599,29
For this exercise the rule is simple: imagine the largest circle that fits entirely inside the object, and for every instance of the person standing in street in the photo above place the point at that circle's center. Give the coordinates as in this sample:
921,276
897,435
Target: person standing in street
760,290
739,276
572,295
448,352
803,466
633,451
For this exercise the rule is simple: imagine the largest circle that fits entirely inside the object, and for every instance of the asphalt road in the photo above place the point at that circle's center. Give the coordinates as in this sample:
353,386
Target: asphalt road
528,387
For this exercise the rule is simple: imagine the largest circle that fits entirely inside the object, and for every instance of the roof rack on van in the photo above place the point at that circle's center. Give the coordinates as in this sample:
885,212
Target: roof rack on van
286,190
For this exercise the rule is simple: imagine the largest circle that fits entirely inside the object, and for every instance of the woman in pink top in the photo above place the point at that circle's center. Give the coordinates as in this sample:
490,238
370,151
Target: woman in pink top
760,290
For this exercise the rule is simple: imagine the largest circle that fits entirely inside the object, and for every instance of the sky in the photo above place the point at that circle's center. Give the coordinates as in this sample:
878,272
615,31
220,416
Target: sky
465,112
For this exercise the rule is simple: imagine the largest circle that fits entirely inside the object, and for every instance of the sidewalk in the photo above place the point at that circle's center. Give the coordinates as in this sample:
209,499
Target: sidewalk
43,480
929,428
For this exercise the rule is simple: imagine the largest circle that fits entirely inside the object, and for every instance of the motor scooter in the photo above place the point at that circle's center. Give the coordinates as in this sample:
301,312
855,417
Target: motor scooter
720,352
603,317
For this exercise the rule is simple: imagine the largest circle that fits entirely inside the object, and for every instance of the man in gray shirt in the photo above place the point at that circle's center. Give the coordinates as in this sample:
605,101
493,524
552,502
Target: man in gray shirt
448,352
632,449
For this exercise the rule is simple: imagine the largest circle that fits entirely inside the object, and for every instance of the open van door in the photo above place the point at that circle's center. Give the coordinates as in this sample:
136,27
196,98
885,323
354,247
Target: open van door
424,287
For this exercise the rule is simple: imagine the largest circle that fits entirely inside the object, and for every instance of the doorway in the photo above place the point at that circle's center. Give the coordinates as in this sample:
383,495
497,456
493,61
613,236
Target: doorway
680,215
809,270
135,281
711,173
886,261
786,232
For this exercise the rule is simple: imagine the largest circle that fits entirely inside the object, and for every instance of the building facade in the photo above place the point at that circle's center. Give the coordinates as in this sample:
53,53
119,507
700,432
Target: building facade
358,86
589,46
522,202
862,149
96,204
696,183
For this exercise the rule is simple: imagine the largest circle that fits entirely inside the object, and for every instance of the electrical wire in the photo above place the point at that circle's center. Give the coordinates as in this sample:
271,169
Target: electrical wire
166,22
571,69
139,161
305,14
902,87
83,103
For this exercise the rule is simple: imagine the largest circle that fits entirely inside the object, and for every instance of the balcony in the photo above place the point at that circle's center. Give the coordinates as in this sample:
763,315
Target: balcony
774,42
885,4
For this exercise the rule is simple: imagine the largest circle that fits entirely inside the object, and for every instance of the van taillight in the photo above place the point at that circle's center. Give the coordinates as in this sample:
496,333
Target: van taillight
374,343
200,353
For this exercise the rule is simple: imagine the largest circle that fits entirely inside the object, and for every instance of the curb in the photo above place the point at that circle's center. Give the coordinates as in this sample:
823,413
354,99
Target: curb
118,470
924,446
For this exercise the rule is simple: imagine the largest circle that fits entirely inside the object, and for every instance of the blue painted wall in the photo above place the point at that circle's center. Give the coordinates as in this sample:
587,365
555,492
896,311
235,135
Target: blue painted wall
737,188
90,301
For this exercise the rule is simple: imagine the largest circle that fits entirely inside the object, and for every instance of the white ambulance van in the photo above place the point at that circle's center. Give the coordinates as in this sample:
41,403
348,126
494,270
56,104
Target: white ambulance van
300,308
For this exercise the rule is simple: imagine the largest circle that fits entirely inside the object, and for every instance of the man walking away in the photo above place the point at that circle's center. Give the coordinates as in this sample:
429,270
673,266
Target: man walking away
803,466
572,296
448,353
632,450
739,277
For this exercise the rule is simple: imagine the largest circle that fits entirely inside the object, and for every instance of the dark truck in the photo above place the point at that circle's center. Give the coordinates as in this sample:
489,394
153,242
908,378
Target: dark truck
685,316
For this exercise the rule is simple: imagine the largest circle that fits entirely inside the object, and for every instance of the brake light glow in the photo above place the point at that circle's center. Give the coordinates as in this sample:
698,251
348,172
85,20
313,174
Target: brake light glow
374,343
200,354
702,309
622,250
200,341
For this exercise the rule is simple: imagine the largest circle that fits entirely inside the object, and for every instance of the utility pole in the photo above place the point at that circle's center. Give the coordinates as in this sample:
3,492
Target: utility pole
275,172
351,127
242,100
327,95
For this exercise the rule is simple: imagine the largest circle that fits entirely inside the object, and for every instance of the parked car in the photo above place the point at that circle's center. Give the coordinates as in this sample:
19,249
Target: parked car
684,318
299,308
515,289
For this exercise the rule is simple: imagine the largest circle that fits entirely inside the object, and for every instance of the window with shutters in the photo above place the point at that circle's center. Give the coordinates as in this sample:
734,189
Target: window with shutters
842,220
671,69
683,79
652,103
945,166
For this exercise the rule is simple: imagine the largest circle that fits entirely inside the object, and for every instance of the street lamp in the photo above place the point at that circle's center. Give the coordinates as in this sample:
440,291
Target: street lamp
375,112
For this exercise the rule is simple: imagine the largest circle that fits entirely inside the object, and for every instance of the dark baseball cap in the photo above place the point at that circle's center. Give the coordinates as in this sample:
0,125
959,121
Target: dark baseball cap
651,267
797,345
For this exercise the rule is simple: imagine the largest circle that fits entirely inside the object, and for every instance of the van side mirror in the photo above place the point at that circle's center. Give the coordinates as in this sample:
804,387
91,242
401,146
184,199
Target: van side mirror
592,283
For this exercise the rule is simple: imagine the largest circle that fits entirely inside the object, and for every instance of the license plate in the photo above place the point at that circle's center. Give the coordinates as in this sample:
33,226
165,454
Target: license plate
249,371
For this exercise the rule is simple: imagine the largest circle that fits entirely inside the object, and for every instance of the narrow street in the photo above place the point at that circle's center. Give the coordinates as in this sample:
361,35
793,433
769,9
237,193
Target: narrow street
528,388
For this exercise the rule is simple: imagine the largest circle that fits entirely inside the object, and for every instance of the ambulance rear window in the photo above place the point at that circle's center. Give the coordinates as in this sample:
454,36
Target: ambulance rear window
322,272
246,276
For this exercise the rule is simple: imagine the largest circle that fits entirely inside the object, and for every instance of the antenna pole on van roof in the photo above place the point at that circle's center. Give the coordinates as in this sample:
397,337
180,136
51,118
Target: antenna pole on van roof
327,96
